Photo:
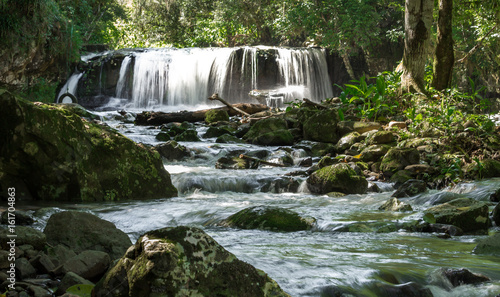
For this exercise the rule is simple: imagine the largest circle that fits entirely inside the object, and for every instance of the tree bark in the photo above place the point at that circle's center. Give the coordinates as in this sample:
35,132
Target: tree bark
444,54
418,21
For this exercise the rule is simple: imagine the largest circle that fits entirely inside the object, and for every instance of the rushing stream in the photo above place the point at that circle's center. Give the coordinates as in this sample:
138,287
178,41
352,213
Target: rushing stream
307,263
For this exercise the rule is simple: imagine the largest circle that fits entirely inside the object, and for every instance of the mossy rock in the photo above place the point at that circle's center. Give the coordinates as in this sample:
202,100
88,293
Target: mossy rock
397,159
410,188
394,204
232,163
268,218
466,213
316,149
217,131
348,140
162,136
488,246
228,138
60,156
269,131
188,135
346,127
487,168
183,261
216,115
171,150
374,152
400,177
381,137
337,178
322,126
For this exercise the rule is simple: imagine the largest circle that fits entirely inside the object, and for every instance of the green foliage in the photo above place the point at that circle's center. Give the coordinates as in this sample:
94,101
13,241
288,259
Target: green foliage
81,290
41,90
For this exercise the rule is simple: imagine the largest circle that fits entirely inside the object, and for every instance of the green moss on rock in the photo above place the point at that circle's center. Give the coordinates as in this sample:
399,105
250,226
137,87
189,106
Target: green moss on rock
337,178
216,115
270,131
322,126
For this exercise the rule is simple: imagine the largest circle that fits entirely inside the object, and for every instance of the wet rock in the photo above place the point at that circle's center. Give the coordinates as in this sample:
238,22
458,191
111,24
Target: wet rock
495,196
268,218
162,136
316,149
188,135
440,228
397,159
495,214
374,152
183,261
59,254
281,185
269,131
70,279
488,246
25,235
381,137
322,126
462,276
466,213
417,169
326,161
305,162
409,289
337,178
171,150
84,231
24,269
216,115
88,264
410,188
394,204
42,263
348,140
61,156
216,132
232,163
346,127
228,138
22,218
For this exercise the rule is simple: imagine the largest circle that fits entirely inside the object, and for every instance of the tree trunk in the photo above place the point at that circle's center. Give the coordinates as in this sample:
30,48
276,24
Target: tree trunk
444,55
348,65
418,21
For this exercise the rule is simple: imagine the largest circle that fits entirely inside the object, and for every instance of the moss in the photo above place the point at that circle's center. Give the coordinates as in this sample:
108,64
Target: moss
214,115
398,158
337,178
270,131
322,126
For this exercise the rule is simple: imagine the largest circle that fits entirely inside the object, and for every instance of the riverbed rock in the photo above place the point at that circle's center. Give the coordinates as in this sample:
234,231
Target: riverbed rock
188,135
495,214
183,261
24,269
322,126
60,156
82,231
216,131
337,178
25,235
466,213
228,138
397,159
216,115
395,204
172,150
348,140
268,218
410,188
381,137
488,246
70,279
22,218
88,264
462,276
269,131
346,127
232,163
374,152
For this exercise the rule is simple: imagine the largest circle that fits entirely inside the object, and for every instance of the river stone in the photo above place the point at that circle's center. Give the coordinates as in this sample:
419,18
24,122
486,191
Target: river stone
397,159
59,254
70,279
374,152
232,163
381,137
462,276
337,178
82,231
183,261
88,264
22,218
216,115
395,204
410,188
171,150
348,140
268,218
24,269
269,131
466,213
188,135
228,138
322,126
162,136
495,214
216,132
489,245
346,127
25,235
61,156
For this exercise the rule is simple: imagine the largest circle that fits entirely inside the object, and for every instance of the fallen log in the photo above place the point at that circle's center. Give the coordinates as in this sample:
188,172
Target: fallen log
259,161
216,97
156,118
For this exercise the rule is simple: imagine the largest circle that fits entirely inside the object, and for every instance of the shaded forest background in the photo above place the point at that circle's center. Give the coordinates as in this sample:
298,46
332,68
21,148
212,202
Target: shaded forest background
41,40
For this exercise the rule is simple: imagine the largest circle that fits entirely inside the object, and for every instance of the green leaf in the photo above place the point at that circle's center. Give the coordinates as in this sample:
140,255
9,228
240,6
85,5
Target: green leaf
81,290
429,218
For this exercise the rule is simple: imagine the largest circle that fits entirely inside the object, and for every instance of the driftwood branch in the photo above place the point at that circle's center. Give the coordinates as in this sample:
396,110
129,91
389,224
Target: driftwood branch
216,97
477,45
260,161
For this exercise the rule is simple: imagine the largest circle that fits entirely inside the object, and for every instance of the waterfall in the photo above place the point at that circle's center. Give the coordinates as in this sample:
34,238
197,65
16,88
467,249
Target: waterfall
70,87
121,87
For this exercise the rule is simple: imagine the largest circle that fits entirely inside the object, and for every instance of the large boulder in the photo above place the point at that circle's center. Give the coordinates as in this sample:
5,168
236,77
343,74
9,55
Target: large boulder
488,246
183,261
216,115
82,231
322,126
466,213
268,218
270,131
337,178
57,155
398,158
25,235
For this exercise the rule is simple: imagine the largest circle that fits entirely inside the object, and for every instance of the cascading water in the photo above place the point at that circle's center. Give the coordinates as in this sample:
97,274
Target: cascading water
173,77
70,87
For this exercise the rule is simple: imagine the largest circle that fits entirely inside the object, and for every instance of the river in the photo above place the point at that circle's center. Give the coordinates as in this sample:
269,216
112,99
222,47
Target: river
307,263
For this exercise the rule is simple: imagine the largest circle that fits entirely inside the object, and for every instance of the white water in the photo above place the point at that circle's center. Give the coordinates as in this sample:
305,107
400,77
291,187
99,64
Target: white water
70,87
122,79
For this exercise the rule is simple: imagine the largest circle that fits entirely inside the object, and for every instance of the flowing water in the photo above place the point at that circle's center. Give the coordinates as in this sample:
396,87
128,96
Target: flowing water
306,263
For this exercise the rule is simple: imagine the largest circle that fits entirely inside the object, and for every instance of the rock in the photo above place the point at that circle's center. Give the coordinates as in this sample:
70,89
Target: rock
88,264
394,204
346,127
162,136
468,214
280,185
316,149
417,169
268,218
22,218
216,132
37,291
397,159
381,137
305,162
24,269
183,261
337,178
398,125
495,196
188,135
374,152
488,246
25,235
459,277
70,279
489,169
495,215
216,115
269,131
400,177
59,254
228,138
410,188
409,289
4,260
232,163
42,263
82,231
348,140
172,151
60,156
322,126
440,228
